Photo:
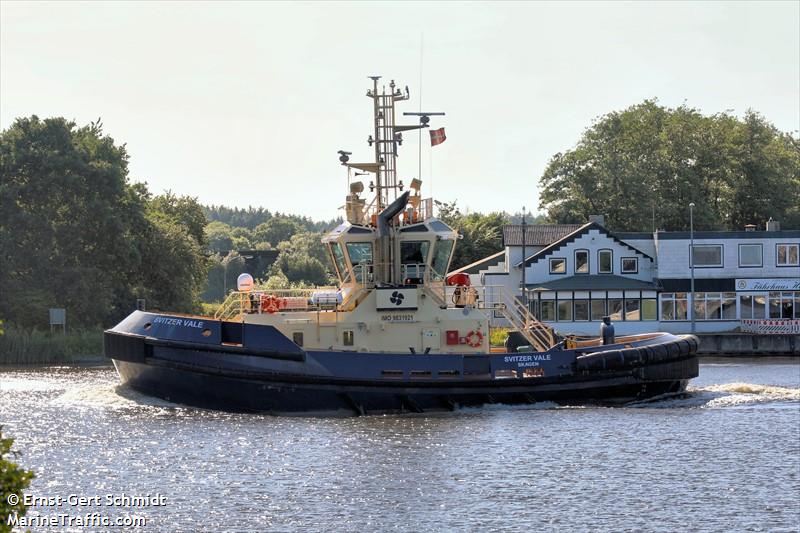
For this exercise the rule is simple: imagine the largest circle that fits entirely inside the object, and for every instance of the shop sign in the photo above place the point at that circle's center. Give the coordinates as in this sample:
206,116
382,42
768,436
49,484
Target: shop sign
767,284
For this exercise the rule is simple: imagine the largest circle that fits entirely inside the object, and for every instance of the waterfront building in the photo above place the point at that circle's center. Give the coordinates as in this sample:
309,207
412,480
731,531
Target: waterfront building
576,274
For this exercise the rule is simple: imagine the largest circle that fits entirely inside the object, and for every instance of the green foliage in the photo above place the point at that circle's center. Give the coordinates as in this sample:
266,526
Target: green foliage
498,336
74,233
276,230
13,480
32,346
482,235
649,162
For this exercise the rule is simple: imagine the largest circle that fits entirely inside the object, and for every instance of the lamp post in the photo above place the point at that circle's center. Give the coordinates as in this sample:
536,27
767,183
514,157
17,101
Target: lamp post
691,261
524,291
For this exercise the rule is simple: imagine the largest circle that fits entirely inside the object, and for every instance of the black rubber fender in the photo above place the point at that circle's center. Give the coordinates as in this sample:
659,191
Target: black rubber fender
639,355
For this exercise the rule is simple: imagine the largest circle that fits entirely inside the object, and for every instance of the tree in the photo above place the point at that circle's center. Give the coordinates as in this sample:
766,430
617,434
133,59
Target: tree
642,166
13,480
74,233
276,230
482,235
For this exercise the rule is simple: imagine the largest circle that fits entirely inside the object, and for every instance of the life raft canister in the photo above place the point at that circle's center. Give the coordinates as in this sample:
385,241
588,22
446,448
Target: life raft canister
474,338
269,303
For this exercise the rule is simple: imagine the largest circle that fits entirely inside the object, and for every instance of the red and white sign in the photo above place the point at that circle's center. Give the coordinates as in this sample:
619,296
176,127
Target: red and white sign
776,326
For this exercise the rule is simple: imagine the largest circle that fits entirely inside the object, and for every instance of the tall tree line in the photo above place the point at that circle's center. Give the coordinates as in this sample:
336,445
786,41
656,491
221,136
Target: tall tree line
641,167
76,233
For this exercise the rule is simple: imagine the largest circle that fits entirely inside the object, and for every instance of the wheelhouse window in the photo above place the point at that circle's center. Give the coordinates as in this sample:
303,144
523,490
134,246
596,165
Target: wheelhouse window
361,258
605,260
441,258
788,255
750,255
707,255
558,265
347,338
630,265
649,309
414,252
581,261
338,259
674,306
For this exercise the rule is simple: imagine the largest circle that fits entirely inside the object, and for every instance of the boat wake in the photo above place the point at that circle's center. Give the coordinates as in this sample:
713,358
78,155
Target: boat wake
109,396
724,395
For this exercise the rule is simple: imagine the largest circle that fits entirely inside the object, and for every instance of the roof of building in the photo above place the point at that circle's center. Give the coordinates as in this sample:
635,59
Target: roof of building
580,231
481,264
596,283
536,234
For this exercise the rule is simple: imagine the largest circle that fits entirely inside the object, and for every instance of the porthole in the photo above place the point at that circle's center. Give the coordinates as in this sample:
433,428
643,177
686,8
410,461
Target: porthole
206,332
148,326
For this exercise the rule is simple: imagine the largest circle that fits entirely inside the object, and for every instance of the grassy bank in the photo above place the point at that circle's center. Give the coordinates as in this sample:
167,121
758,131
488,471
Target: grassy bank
28,347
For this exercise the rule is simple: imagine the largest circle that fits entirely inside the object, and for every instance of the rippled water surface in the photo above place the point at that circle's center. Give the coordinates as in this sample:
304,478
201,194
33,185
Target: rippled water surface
724,457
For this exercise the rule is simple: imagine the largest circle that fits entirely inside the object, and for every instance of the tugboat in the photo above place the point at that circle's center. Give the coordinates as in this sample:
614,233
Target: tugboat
396,335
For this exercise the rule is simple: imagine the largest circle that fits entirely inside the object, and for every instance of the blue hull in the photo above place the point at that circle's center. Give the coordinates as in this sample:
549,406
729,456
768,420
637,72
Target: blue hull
266,372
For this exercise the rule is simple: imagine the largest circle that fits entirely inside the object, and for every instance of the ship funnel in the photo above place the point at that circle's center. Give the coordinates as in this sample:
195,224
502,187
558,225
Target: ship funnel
393,209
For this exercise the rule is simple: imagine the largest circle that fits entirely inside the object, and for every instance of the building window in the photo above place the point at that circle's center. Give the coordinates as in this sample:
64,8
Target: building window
565,310
598,309
788,255
674,306
649,309
581,309
581,261
297,338
630,265
750,255
605,260
548,310
752,305
632,309
558,265
715,306
784,304
615,308
347,338
707,255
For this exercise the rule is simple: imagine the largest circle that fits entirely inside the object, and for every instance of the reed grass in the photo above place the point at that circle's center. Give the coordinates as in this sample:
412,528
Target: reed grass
34,346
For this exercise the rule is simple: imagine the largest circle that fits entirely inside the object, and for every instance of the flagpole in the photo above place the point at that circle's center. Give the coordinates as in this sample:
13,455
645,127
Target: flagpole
419,148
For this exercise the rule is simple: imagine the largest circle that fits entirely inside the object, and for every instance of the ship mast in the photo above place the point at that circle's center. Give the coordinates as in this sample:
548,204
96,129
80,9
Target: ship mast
385,139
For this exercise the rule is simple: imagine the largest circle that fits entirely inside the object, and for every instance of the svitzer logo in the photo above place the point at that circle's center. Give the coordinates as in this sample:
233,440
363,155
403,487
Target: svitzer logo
397,298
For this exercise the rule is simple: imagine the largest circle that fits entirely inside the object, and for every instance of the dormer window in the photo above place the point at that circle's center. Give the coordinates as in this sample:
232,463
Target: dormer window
558,265
581,261
630,265
605,260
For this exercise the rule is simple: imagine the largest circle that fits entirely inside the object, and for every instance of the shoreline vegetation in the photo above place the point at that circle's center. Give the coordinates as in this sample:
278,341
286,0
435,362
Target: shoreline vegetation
38,347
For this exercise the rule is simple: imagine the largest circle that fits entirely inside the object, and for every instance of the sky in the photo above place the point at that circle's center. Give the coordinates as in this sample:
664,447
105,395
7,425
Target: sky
246,104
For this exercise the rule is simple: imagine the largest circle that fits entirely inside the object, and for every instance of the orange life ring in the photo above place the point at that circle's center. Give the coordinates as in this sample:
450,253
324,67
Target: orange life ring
474,338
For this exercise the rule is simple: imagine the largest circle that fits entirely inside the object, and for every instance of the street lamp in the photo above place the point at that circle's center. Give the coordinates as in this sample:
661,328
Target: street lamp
524,292
691,261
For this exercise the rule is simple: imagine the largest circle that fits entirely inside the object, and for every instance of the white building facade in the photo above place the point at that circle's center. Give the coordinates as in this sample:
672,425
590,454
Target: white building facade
743,280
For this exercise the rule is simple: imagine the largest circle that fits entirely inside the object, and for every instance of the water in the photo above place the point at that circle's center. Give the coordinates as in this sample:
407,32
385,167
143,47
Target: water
725,457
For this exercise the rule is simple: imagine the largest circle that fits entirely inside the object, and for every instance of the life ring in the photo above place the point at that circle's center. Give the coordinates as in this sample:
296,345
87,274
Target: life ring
474,338
269,304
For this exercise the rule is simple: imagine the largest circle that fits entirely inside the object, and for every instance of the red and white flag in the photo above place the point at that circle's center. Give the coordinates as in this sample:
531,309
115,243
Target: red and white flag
437,136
